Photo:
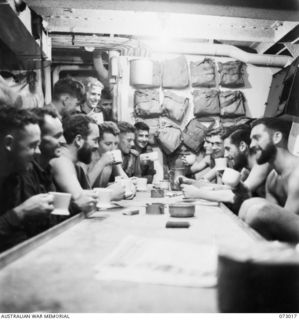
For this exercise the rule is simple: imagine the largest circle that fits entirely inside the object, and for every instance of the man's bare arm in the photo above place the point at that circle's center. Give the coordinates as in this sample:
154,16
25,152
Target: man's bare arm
208,193
65,176
257,176
292,203
270,196
199,166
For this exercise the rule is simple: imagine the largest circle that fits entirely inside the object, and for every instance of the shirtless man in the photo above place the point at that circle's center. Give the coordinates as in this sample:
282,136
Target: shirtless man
81,134
277,216
236,146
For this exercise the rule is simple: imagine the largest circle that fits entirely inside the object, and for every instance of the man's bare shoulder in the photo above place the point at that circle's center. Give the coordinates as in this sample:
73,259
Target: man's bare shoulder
62,163
294,177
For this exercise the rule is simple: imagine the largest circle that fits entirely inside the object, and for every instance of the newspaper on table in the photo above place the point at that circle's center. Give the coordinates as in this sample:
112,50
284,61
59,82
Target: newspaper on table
161,261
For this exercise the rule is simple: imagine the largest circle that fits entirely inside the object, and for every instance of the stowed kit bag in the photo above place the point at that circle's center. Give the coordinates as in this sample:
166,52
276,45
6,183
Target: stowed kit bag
147,103
169,138
234,122
194,135
232,104
206,102
175,73
231,74
174,106
203,73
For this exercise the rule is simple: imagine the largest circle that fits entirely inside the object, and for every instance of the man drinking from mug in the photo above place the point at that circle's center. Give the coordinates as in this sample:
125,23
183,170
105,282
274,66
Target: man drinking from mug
236,146
142,146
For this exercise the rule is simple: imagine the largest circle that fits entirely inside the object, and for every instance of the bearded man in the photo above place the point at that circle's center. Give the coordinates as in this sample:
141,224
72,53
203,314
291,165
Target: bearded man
238,153
82,139
277,216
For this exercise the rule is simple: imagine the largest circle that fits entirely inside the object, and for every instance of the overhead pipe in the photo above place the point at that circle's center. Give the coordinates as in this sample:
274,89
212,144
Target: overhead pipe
252,58
102,72
224,50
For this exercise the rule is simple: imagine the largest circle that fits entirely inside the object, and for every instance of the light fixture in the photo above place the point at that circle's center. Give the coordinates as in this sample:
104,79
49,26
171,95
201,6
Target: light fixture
89,49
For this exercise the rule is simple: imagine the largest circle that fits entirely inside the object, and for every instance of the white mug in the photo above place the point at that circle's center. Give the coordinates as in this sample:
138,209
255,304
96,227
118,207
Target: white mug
129,185
117,157
220,163
231,177
141,184
61,202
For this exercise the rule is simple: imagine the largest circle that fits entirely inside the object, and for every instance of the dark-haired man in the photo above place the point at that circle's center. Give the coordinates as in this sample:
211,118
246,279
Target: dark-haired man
19,142
82,139
131,161
142,146
236,150
277,216
68,94
38,178
102,167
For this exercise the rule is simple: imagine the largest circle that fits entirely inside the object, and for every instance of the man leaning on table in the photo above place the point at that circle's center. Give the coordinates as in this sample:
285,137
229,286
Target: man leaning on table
19,142
81,134
20,186
82,139
277,216
237,151
102,169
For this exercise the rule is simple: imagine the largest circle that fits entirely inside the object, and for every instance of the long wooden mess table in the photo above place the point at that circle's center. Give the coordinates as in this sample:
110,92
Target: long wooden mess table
58,274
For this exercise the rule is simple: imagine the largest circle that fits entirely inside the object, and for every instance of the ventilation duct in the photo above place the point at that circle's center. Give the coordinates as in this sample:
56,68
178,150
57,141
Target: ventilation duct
223,50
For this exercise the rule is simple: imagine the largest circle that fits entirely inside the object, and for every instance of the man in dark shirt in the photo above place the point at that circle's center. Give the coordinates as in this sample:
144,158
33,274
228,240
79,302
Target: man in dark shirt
131,161
19,142
38,178
142,146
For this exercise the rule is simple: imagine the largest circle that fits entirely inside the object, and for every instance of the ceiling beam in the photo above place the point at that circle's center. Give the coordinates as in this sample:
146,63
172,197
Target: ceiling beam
255,9
167,25
281,31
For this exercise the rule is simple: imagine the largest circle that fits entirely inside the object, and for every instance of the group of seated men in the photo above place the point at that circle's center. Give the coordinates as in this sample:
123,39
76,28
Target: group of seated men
66,147
267,197
61,149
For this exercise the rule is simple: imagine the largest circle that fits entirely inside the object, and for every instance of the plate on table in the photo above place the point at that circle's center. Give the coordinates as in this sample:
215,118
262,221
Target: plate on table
174,193
201,202
189,200
61,212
